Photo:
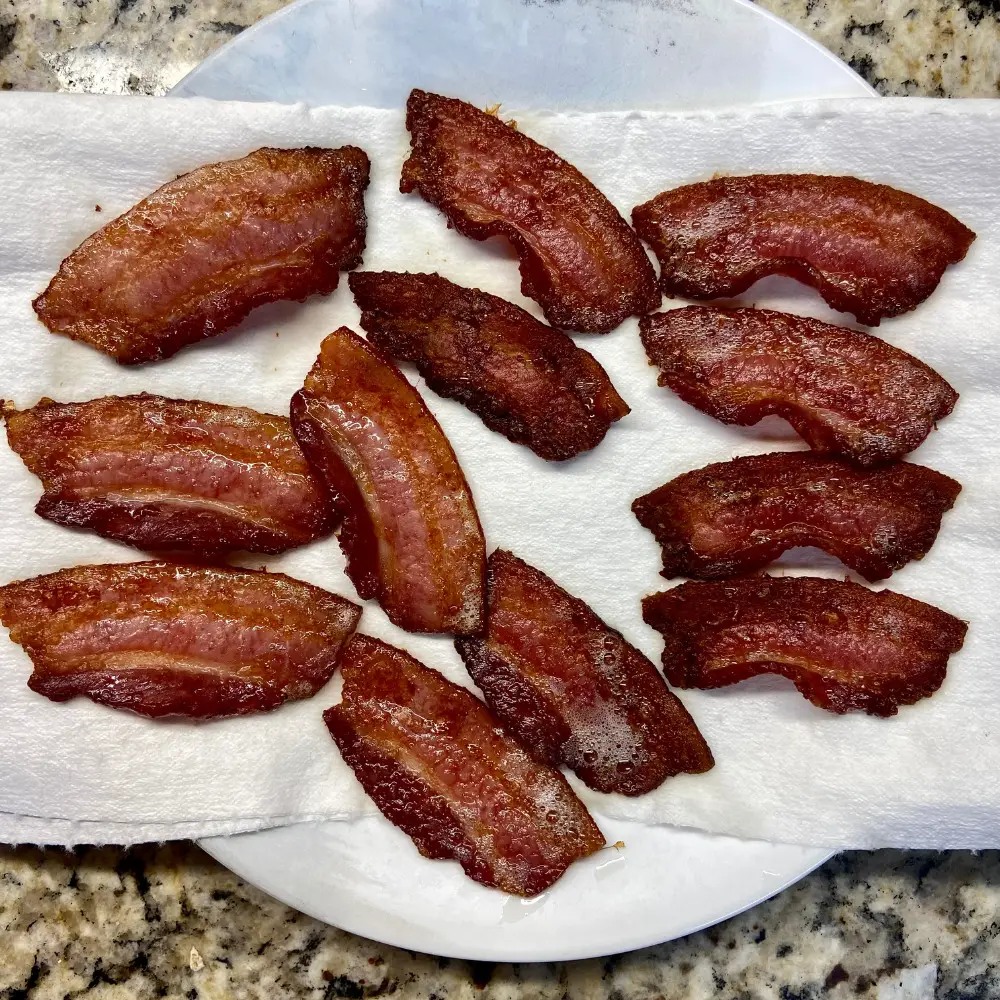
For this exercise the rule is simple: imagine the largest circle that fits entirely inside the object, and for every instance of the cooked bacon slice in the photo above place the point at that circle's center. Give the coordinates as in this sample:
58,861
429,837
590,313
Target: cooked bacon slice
846,392
440,768
172,474
410,529
868,249
573,691
524,379
579,258
843,646
196,256
736,517
161,638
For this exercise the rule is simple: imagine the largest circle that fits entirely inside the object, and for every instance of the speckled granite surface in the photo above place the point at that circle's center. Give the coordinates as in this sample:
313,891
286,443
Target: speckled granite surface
110,924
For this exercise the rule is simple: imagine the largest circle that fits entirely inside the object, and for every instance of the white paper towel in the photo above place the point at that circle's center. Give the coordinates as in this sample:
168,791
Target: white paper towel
785,770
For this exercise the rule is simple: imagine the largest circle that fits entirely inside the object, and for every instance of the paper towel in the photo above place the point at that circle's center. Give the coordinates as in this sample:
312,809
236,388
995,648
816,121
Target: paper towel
785,770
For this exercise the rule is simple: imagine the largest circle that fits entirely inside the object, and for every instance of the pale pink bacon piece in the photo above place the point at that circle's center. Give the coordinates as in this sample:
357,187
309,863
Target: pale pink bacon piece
844,391
160,639
195,257
573,691
441,768
410,528
843,646
579,258
735,517
171,474
868,249
524,379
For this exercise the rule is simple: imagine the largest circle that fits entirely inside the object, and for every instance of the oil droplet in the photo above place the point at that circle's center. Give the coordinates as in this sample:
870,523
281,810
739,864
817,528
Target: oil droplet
610,642
609,659
624,766
551,816
589,756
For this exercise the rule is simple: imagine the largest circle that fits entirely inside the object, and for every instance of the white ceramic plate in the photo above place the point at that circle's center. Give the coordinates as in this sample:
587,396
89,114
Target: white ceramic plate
366,876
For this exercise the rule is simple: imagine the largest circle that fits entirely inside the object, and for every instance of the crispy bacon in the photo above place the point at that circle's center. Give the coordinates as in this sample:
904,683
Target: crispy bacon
846,392
736,517
868,249
843,646
440,768
196,256
410,530
579,258
525,380
172,474
573,691
161,638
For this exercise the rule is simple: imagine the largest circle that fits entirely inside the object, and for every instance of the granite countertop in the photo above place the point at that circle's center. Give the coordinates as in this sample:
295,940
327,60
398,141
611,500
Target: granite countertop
167,921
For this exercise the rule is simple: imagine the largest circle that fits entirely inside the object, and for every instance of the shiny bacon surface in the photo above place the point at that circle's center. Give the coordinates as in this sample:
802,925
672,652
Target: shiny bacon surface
735,517
524,379
573,691
440,768
844,647
579,258
171,474
845,392
868,249
163,639
410,529
196,256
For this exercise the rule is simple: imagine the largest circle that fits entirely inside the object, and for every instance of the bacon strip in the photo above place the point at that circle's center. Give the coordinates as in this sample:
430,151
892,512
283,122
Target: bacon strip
441,769
573,691
868,249
579,258
162,639
171,474
525,380
410,530
843,646
844,391
196,256
736,517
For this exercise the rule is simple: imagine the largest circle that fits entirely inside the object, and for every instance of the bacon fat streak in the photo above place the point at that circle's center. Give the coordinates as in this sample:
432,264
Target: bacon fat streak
843,646
163,639
844,391
579,258
410,529
171,474
439,767
196,256
524,379
573,691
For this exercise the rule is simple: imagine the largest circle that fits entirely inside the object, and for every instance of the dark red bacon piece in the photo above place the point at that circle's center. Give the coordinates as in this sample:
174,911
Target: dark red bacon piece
525,380
160,638
410,530
196,256
736,517
844,391
868,249
172,474
573,691
579,258
843,646
440,768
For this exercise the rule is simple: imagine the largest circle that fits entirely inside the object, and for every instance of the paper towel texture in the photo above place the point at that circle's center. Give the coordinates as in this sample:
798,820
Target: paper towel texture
785,770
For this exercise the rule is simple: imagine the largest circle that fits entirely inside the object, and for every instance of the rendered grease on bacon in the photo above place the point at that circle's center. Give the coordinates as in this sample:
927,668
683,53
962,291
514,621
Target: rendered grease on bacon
440,767
410,529
844,391
868,249
579,259
844,647
195,257
162,639
171,474
573,691
735,517
524,379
